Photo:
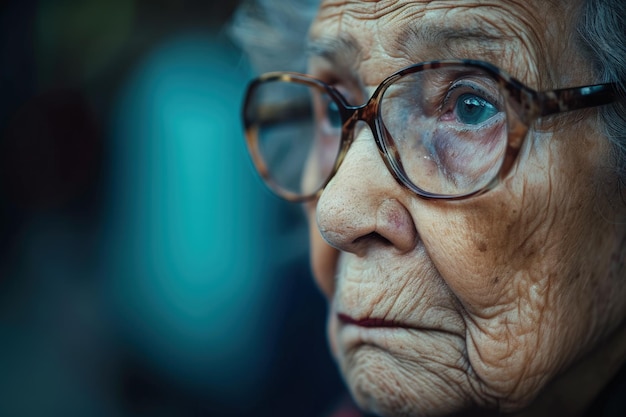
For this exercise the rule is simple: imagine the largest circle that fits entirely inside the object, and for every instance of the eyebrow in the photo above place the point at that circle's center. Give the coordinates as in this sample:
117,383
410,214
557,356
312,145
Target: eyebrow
341,51
449,42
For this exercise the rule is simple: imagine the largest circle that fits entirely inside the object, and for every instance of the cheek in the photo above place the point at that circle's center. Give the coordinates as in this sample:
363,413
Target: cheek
514,253
469,259
528,263
492,249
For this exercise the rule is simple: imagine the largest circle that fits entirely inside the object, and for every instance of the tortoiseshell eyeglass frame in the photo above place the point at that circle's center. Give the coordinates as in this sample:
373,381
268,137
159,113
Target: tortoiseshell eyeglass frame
527,104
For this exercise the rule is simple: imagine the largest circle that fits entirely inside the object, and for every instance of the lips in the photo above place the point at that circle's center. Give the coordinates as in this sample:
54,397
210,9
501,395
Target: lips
367,322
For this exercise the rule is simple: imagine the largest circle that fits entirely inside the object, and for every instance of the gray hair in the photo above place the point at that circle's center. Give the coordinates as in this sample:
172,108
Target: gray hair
273,34
602,30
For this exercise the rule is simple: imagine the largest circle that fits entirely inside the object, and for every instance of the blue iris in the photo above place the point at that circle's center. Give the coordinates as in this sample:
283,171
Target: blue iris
333,114
472,109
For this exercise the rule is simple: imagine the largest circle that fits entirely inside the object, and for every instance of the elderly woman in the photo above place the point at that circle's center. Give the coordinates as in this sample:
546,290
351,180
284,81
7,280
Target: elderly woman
462,164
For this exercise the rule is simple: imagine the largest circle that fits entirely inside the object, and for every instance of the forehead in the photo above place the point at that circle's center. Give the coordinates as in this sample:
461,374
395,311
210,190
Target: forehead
380,37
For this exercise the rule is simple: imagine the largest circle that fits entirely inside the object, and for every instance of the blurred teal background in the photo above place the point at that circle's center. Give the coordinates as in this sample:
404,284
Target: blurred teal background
144,270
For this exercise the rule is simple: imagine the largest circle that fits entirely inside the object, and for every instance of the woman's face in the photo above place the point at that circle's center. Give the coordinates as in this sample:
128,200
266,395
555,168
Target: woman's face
441,306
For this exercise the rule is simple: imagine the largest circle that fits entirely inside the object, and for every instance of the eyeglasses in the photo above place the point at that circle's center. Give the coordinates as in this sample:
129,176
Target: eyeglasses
445,129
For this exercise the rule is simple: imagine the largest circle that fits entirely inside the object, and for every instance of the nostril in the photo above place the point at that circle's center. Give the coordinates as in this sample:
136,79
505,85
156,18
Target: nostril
372,239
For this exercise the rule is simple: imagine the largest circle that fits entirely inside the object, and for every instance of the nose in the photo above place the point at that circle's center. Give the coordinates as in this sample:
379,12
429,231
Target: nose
363,206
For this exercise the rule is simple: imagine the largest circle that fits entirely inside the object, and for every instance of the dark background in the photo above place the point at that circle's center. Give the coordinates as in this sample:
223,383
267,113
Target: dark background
144,270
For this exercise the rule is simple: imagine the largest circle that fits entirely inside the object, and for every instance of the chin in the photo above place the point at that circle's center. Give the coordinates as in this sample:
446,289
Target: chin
388,385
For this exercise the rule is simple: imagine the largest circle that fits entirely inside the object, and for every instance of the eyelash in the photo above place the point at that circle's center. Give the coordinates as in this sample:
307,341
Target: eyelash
452,93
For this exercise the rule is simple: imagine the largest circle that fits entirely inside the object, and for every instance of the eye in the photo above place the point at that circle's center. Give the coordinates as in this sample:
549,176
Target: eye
332,113
327,113
472,109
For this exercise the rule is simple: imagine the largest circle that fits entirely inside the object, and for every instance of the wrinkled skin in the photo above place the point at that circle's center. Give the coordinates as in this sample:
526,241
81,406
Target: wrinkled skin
488,300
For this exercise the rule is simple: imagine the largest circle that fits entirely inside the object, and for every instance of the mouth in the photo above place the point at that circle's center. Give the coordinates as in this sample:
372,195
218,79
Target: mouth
367,321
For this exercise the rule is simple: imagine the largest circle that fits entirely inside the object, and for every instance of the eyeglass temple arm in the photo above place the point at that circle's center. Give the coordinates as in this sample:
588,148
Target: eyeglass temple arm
568,99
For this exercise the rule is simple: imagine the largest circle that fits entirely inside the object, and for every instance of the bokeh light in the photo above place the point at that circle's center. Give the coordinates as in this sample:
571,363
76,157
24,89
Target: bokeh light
144,268
189,221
